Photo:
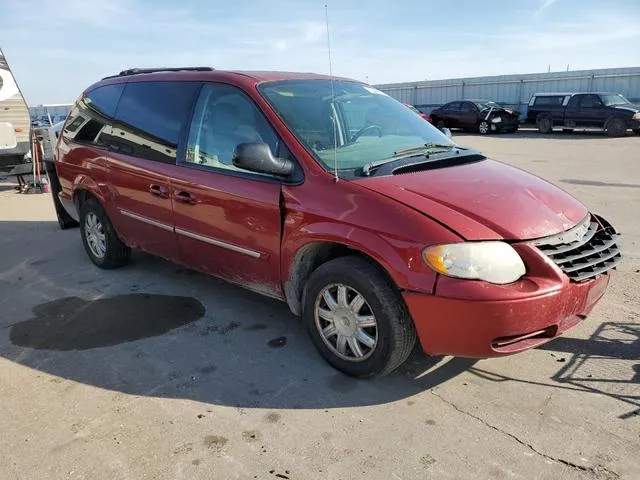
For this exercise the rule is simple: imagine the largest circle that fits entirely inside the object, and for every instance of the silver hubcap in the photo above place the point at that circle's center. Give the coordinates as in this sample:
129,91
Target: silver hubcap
484,127
94,233
346,322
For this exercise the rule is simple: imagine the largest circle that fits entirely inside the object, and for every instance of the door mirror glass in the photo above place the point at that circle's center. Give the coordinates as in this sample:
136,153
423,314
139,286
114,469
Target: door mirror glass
446,131
257,157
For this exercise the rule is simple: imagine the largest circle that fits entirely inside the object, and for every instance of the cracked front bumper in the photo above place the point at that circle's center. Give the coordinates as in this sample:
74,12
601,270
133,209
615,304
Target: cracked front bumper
456,323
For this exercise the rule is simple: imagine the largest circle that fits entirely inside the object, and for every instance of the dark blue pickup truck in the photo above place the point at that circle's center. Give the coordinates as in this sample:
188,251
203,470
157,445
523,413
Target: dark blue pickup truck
609,111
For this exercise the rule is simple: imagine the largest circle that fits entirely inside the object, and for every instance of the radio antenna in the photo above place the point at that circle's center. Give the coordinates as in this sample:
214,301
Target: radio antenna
333,98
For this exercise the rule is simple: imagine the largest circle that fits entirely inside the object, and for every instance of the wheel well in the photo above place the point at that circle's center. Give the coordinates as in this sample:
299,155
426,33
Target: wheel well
308,259
611,119
80,196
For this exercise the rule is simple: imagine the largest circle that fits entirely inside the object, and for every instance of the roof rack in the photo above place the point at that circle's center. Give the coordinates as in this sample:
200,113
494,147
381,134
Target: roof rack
138,71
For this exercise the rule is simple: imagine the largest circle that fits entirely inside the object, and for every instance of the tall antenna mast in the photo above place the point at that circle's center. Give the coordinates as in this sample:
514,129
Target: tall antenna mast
333,96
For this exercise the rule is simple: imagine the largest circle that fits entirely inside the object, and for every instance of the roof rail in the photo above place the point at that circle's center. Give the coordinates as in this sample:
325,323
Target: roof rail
138,71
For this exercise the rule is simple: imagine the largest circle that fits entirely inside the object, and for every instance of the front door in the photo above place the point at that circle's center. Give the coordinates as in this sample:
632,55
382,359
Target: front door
452,115
592,111
468,115
228,220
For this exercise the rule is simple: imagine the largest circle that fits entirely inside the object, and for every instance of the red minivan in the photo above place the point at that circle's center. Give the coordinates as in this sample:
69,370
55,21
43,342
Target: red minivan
328,194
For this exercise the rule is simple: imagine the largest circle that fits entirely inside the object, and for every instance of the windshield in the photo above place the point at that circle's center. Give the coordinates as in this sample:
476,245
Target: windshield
610,100
483,105
362,123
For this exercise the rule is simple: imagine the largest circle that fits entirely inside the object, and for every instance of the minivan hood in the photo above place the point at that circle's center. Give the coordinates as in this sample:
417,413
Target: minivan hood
485,200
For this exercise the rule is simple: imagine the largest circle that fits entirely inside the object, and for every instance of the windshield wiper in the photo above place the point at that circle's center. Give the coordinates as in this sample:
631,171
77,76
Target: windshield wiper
420,148
426,148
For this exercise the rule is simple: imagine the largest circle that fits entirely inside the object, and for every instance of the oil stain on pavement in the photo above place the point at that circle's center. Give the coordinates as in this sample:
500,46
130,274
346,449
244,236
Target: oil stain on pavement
72,323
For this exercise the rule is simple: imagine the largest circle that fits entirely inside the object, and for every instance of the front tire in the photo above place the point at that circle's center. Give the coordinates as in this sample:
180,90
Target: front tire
484,128
356,319
101,242
616,128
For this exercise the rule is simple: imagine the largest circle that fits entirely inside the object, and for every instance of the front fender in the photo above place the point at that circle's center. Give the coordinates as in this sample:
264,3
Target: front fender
401,259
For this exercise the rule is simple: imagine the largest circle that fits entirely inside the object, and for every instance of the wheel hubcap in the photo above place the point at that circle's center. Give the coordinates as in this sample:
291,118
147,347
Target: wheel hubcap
94,234
484,128
346,322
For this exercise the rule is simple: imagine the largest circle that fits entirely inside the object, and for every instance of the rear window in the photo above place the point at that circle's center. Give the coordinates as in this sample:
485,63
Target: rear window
151,117
90,118
549,101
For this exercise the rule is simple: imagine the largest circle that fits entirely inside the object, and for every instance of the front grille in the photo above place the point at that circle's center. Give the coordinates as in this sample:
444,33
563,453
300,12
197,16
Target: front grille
585,251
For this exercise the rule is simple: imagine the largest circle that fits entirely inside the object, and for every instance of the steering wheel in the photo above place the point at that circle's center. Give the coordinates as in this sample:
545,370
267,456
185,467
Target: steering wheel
363,130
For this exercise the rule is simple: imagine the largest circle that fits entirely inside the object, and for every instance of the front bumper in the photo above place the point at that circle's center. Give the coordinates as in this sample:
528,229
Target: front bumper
483,327
633,124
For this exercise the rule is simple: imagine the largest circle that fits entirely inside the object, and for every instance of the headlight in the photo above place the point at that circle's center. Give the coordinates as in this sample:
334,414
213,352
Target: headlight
496,120
636,116
493,262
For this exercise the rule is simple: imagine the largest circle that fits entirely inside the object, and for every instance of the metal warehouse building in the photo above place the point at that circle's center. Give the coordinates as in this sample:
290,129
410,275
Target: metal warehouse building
515,90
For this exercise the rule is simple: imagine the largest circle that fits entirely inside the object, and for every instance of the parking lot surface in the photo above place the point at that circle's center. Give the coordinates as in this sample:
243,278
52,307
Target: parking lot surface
154,371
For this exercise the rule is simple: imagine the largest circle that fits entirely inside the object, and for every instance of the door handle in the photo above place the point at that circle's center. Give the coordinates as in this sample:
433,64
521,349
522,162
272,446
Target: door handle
158,190
185,197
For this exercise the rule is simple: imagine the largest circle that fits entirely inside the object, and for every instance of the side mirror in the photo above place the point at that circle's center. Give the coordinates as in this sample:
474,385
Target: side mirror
257,157
446,131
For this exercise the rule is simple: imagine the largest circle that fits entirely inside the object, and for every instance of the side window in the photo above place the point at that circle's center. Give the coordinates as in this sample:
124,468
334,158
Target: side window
548,101
150,118
590,101
574,102
90,118
225,117
466,107
452,106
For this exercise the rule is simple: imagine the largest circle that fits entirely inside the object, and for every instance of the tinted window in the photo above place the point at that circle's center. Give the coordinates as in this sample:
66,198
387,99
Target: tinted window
549,101
150,119
452,106
467,107
223,118
574,102
105,99
90,118
590,101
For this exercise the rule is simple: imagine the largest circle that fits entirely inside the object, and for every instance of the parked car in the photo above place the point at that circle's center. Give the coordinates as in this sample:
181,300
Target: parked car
414,109
330,195
482,116
610,111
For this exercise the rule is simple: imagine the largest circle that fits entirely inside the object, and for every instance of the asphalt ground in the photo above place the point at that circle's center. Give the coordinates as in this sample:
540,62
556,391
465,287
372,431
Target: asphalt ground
154,371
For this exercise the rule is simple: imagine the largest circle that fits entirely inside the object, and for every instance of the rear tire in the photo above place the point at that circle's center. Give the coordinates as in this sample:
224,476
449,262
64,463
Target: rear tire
544,124
616,128
567,130
440,124
636,131
381,307
65,221
104,247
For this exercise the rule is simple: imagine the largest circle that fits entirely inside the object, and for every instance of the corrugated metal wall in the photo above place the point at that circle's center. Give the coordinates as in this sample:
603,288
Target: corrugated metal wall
515,90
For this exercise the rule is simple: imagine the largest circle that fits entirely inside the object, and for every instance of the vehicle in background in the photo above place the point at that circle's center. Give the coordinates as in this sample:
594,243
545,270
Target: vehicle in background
15,123
481,116
414,109
611,112
330,195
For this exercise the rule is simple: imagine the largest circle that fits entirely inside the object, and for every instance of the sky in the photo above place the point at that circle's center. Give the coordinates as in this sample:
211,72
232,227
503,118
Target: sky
56,48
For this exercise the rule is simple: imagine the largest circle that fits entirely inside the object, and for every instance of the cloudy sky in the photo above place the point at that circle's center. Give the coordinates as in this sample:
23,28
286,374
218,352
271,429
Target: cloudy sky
58,47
